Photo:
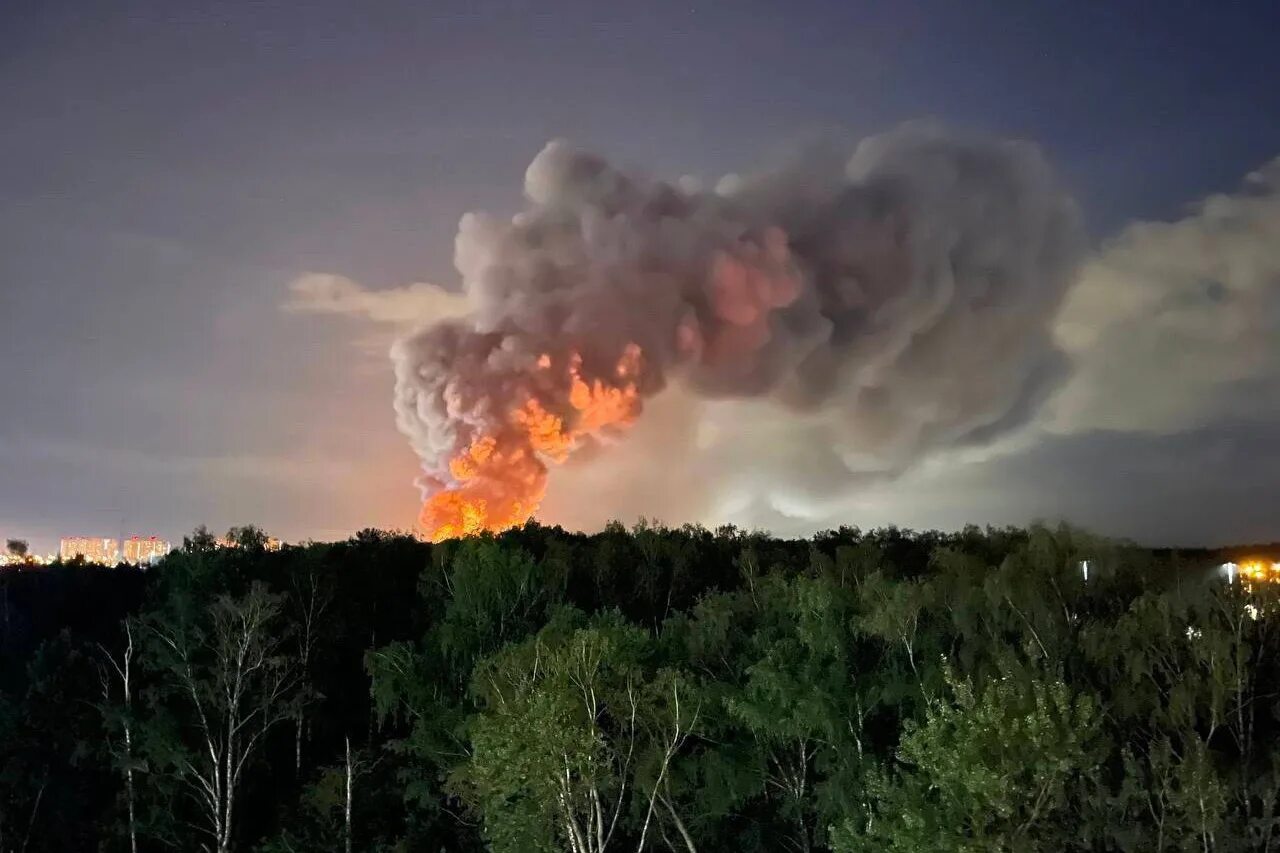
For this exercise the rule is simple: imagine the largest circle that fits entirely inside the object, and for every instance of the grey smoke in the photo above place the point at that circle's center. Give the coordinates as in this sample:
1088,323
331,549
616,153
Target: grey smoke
899,300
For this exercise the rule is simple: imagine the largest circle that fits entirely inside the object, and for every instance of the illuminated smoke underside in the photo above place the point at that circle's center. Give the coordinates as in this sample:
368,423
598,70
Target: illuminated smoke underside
906,294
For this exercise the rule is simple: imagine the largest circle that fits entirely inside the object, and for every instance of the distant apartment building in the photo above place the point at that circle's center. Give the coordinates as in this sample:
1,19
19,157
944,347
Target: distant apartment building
143,551
105,552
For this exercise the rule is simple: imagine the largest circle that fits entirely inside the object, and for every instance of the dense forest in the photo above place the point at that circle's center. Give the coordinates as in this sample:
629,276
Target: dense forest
646,689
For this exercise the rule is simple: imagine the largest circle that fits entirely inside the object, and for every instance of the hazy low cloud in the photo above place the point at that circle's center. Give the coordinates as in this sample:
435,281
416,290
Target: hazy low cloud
1152,488
1175,325
407,306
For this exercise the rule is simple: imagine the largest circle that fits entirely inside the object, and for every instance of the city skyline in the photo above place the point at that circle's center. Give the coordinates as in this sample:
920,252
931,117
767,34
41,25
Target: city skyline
58,544
108,551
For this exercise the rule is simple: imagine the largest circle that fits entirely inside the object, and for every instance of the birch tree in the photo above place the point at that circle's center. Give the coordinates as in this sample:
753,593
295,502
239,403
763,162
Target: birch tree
310,600
118,679
229,674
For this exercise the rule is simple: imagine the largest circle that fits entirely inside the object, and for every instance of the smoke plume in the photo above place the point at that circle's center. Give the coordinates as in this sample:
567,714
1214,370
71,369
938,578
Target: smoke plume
902,298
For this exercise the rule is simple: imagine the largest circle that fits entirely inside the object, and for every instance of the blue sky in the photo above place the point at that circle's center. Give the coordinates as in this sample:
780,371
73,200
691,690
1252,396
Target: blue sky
167,168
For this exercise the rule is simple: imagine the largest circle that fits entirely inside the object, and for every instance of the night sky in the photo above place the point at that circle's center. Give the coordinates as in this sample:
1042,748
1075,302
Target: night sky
168,169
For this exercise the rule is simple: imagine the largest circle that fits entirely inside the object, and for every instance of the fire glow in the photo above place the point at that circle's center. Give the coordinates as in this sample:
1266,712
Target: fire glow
500,478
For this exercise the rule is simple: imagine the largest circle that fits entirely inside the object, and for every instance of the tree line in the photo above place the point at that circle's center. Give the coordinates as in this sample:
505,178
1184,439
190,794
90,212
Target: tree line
646,689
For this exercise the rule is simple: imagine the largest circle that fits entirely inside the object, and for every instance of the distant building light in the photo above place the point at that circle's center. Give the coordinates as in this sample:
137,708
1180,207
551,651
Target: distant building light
1259,571
145,552
91,549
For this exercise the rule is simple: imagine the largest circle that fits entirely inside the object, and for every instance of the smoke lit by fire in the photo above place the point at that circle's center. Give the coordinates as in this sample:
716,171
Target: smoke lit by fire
501,477
901,299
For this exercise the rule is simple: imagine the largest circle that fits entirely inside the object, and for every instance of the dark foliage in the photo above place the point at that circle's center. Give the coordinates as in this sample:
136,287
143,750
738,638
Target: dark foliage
646,689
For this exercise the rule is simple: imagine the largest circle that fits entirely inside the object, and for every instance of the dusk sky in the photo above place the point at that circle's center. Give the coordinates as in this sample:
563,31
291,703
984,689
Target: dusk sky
170,171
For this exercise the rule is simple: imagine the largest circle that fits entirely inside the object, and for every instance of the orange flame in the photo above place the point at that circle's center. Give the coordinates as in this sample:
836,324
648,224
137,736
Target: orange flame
544,430
500,479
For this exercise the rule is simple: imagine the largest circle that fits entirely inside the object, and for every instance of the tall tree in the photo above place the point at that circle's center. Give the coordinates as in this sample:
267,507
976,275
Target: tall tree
119,679
996,766
231,677
310,600
608,731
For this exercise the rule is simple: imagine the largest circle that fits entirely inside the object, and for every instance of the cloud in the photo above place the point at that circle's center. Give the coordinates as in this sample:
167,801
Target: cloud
1175,325
407,306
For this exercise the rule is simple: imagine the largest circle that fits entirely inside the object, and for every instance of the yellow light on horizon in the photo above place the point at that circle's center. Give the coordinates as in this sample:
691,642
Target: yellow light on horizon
1260,571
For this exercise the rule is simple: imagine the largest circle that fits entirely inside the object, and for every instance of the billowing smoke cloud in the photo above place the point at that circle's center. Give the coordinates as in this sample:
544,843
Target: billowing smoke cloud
898,302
